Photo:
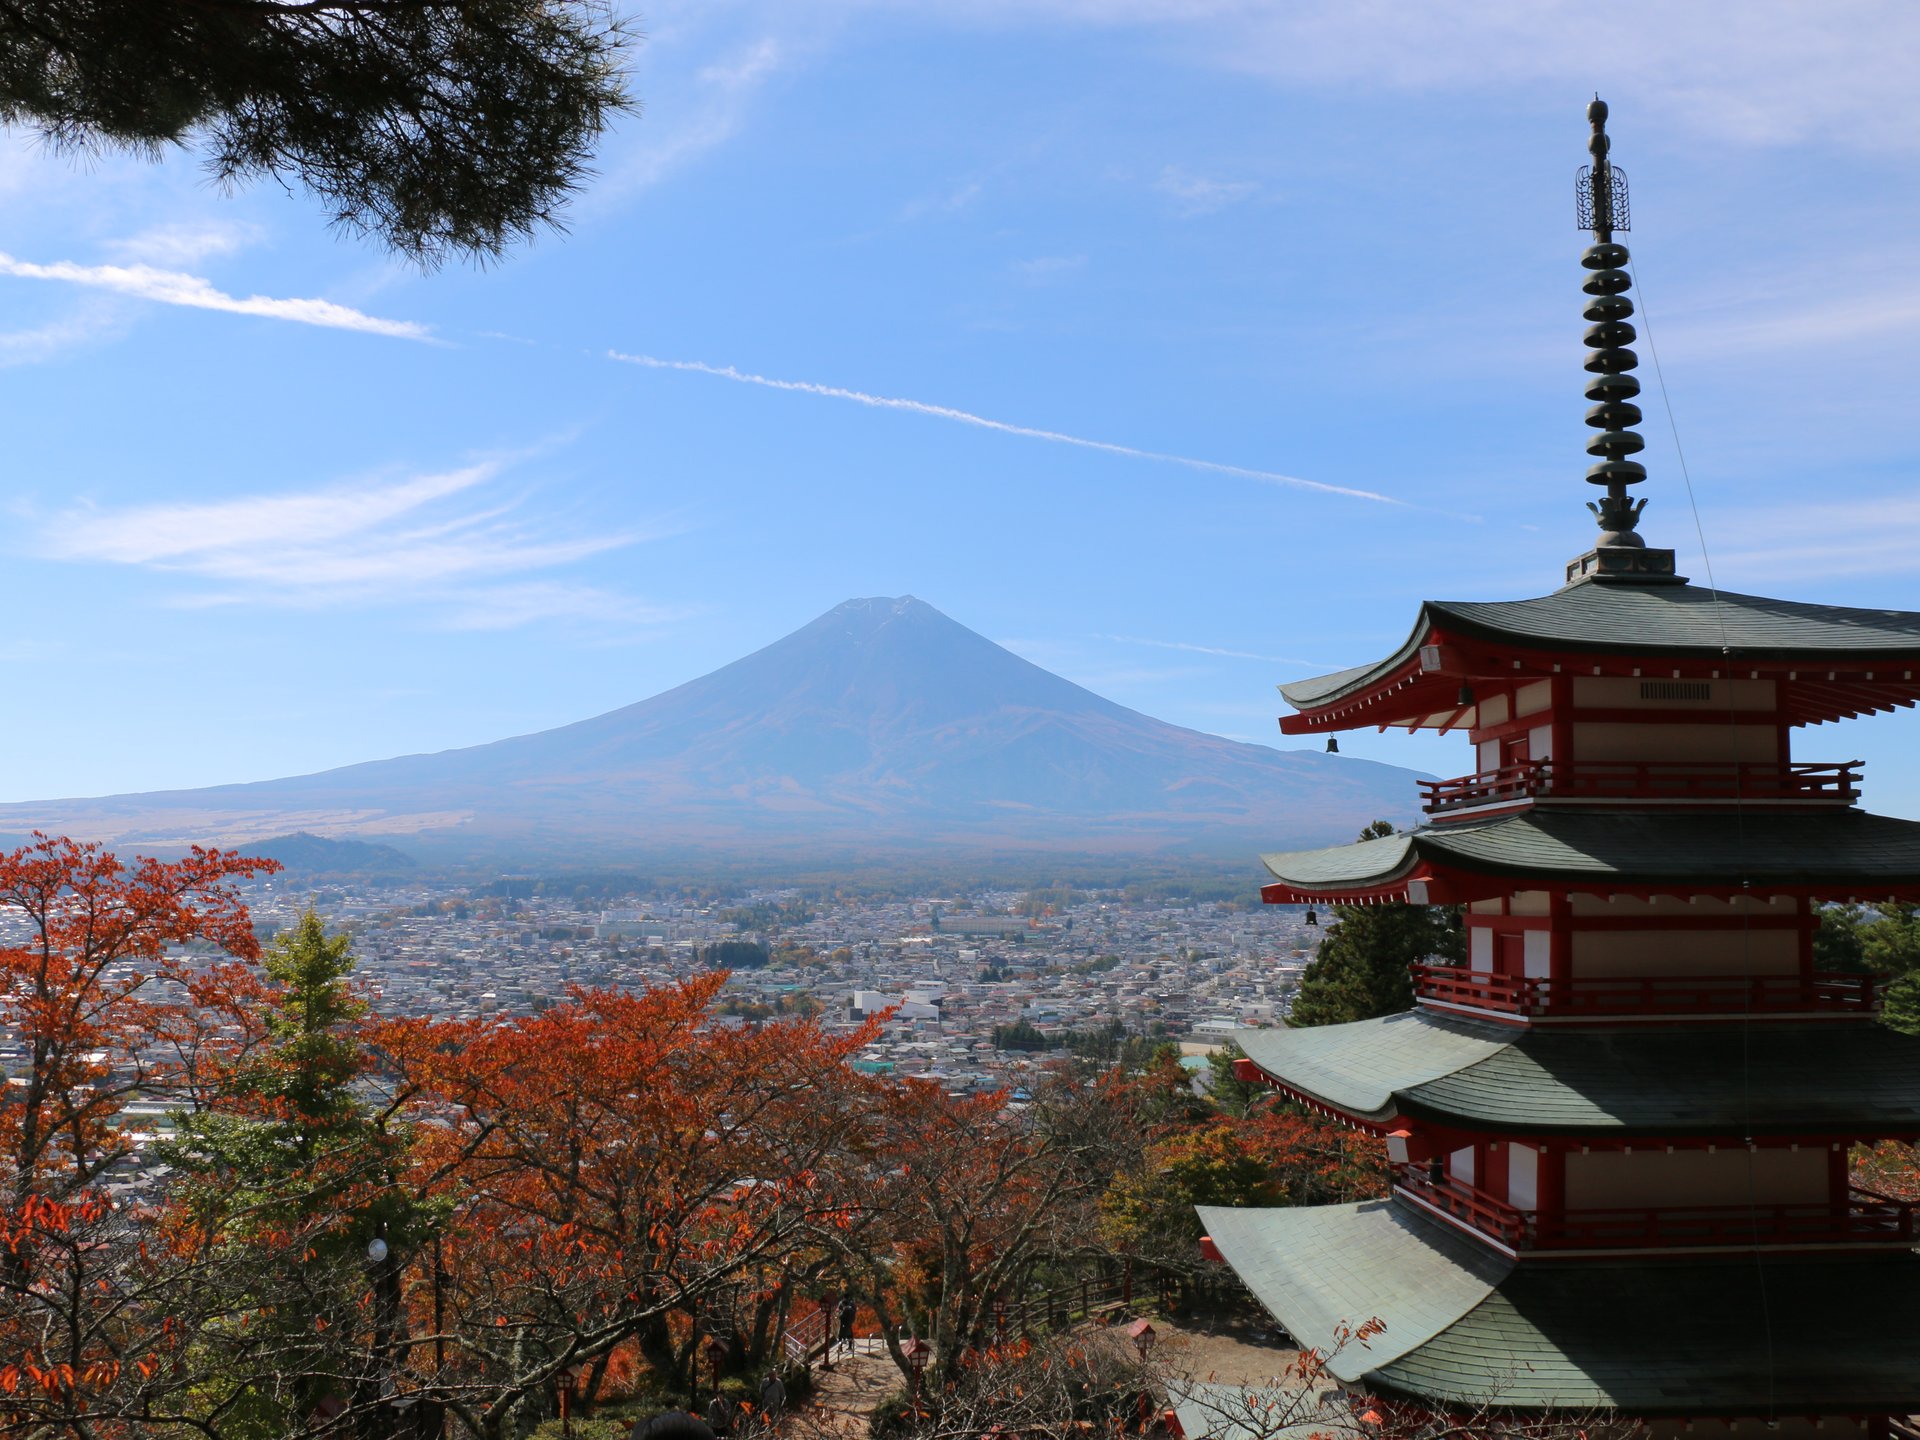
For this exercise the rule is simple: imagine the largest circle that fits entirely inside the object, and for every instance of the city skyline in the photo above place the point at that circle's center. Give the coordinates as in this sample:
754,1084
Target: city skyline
1181,349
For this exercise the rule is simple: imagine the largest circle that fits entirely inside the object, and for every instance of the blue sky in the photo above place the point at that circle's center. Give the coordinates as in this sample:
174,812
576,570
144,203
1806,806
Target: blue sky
1305,272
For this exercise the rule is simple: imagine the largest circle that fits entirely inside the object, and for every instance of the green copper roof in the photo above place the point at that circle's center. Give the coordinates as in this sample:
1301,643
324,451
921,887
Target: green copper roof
1679,620
1767,847
1318,1267
1734,1336
1769,1080
1359,1068
1369,862
1210,1411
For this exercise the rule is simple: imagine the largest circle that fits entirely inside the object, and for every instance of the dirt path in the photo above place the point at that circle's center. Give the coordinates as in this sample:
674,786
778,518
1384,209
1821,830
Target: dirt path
1227,1353
845,1396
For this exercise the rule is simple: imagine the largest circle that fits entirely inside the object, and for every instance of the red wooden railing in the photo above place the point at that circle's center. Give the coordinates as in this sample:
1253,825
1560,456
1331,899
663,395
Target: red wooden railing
1647,995
1866,1217
1475,1207
1636,780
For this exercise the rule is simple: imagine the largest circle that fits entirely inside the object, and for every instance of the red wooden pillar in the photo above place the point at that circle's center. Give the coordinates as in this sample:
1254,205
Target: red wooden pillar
1551,1180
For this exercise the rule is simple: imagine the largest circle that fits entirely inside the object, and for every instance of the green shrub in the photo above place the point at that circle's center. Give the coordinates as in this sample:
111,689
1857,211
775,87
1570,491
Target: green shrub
892,1418
592,1428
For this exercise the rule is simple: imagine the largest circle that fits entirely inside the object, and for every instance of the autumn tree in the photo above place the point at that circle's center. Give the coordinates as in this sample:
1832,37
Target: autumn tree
1276,1153
950,1200
1052,1387
440,128
608,1169
1150,1213
105,1006
1364,966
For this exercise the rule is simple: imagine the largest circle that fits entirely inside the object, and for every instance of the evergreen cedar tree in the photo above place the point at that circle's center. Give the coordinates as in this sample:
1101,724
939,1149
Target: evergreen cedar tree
285,1177
1364,968
1884,941
441,127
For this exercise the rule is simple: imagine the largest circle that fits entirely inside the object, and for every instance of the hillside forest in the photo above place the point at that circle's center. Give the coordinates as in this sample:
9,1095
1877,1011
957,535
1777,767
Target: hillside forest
366,1225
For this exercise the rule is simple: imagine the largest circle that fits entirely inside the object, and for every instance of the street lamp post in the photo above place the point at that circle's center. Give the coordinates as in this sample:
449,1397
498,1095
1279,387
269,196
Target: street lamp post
1141,1332
382,1271
569,1378
716,1349
440,1329
918,1352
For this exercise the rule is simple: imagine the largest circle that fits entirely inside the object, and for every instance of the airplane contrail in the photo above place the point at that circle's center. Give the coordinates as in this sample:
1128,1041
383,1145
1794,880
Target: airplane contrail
964,417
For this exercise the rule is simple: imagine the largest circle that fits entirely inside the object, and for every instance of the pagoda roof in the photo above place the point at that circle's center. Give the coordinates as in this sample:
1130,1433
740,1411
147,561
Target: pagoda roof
1731,1337
1208,1410
1836,851
1809,1080
1629,621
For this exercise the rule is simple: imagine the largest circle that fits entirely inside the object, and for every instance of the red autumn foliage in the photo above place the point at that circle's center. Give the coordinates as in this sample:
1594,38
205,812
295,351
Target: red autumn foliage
105,1011
95,984
606,1164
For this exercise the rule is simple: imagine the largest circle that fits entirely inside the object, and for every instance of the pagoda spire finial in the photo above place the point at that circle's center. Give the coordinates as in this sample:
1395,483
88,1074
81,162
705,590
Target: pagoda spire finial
1600,201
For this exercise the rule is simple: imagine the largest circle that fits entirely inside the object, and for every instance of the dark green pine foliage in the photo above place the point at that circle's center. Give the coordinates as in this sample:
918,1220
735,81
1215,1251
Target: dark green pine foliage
1884,941
1364,969
441,128
289,1176
1234,1096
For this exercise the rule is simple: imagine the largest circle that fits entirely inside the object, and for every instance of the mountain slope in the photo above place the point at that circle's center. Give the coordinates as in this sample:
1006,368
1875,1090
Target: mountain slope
883,721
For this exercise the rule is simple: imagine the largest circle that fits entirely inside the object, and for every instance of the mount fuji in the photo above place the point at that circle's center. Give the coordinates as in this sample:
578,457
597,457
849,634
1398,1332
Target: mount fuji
882,725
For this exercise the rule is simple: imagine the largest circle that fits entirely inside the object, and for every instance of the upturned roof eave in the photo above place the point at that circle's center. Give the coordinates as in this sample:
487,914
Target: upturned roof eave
1364,688
1839,854
1312,696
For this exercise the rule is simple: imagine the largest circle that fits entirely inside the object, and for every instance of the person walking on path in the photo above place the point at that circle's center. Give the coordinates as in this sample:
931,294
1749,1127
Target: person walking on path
773,1396
848,1311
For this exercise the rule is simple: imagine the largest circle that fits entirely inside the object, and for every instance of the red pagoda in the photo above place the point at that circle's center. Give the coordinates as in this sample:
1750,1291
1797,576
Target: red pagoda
1620,1130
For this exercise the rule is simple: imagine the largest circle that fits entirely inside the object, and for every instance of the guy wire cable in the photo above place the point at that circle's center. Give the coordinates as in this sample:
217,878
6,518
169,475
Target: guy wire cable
1740,851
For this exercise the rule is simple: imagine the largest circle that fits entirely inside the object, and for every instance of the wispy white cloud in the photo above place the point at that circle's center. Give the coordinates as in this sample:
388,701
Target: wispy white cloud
1194,649
1758,323
1742,72
1045,269
506,607
194,536
685,124
36,344
1198,195
950,202
175,287
472,559
1101,679
185,242
1846,538
963,417
745,68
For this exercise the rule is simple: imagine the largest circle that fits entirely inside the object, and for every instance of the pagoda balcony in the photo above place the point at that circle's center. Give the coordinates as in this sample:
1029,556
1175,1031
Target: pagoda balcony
1823,992
1866,1218
1645,782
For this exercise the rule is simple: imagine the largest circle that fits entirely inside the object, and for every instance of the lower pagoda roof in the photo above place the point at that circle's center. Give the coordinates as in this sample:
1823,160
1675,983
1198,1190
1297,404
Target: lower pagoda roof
1208,1410
1741,1336
1799,1080
1840,852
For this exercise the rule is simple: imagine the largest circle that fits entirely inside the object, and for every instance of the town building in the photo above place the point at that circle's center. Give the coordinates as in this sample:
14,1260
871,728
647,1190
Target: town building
1621,1129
